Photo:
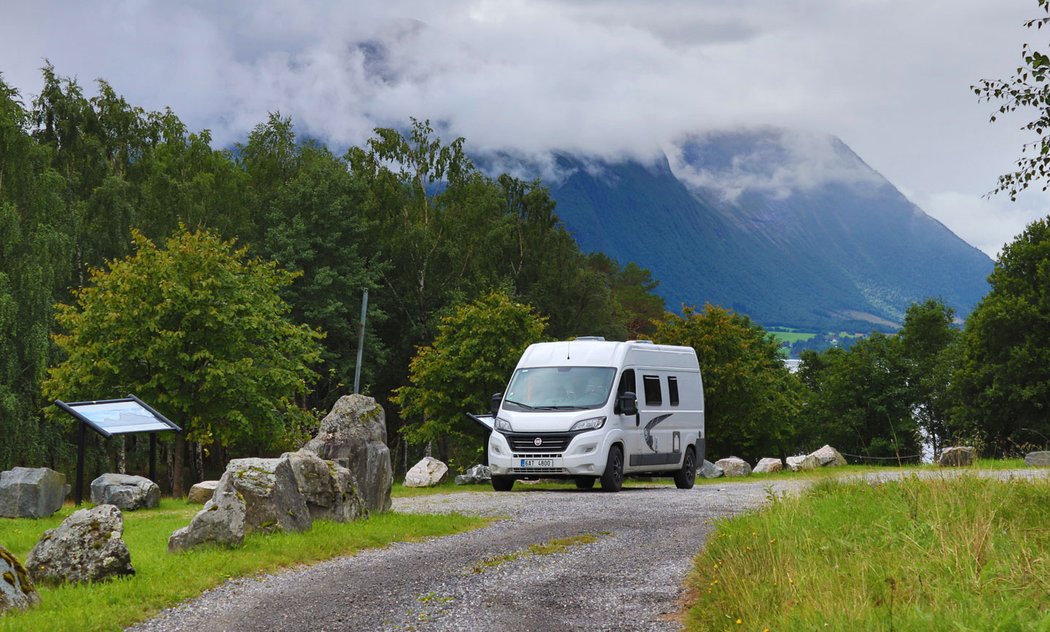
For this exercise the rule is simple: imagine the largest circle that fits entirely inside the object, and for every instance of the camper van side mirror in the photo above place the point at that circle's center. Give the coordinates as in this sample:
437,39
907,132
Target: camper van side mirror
627,404
497,399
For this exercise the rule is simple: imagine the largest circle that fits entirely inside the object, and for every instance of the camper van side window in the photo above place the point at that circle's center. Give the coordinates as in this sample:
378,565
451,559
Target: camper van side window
652,390
672,390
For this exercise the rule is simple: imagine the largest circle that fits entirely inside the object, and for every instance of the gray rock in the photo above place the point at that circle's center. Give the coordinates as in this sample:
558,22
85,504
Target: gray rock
353,435
829,456
801,463
1037,459
31,492
87,547
329,488
768,466
734,466
427,473
202,492
266,495
16,589
476,475
710,470
128,493
957,456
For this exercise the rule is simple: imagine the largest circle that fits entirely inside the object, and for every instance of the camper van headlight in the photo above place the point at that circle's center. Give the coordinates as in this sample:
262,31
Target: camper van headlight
503,425
588,424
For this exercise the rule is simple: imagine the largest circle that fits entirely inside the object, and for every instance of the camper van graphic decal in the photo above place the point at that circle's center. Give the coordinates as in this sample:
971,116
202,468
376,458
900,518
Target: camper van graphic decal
655,421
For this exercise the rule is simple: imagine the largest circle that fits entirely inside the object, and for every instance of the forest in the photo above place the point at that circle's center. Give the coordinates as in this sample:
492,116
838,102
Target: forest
224,286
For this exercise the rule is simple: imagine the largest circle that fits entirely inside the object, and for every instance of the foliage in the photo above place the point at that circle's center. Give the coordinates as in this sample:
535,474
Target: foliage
1028,89
1003,395
933,554
751,400
929,344
472,356
858,400
196,329
123,602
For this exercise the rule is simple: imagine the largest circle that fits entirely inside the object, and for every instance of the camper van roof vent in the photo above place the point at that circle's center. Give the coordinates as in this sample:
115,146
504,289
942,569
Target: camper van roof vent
602,338
644,342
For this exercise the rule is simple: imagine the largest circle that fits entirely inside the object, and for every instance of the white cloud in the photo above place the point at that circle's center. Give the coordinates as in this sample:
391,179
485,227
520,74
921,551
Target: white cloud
986,223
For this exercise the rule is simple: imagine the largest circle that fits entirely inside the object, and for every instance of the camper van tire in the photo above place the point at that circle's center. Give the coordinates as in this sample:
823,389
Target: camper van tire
612,477
584,482
502,483
685,477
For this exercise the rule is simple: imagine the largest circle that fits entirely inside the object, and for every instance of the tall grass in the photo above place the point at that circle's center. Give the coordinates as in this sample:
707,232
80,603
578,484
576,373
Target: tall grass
162,580
962,553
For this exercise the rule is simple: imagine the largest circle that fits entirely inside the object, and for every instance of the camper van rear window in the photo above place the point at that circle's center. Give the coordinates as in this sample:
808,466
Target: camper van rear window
652,390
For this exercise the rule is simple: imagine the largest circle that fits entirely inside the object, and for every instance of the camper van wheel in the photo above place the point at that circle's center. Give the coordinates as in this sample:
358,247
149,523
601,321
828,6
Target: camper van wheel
584,482
502,483
685,477
612,478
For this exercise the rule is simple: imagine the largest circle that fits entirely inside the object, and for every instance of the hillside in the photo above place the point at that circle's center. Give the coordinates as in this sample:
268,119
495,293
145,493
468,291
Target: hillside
794,230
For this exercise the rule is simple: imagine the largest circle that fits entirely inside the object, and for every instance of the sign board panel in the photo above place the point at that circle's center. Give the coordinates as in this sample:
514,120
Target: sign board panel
118,416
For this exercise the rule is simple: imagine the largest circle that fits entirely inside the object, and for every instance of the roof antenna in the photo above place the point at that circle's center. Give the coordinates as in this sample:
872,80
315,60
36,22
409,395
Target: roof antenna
568,347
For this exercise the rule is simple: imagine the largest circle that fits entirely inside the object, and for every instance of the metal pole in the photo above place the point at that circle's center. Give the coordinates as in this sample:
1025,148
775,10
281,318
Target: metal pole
360,342
79,496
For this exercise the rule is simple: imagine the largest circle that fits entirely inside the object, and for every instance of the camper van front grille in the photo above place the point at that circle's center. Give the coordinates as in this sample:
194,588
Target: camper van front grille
548,441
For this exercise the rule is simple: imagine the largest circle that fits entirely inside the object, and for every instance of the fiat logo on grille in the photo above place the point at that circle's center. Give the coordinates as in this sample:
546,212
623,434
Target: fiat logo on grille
538,441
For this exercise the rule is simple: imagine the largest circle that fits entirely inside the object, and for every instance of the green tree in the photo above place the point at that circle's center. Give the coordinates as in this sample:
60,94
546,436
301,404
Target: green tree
858,400
472,356
198,330
1027,90
1004,374
928,344
751,400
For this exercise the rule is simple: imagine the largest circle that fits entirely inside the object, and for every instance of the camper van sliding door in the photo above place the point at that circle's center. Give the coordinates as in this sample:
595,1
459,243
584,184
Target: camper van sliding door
658,442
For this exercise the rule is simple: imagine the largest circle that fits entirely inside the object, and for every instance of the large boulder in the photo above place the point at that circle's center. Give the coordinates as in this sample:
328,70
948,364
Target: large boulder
87,547
220,522
957,456
265,495
829,456
31,492
353,434
476,475
16,589
734,466
202,492
768,466
802,463
427,473
127,492
1037,459
710,470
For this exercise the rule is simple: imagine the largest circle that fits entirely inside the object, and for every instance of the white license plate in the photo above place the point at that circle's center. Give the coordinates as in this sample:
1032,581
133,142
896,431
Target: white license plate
537,463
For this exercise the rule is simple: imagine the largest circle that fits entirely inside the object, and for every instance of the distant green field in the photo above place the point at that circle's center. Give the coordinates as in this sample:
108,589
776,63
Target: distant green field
792,337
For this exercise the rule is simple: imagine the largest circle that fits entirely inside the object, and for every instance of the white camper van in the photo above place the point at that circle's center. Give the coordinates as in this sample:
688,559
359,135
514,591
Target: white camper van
590,409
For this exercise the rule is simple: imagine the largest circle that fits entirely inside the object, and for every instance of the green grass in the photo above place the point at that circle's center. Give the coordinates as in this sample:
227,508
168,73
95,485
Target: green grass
791,337
163,580
954,553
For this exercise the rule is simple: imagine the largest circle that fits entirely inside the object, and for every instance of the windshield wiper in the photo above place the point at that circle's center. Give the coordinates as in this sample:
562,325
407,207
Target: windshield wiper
525,406
559,407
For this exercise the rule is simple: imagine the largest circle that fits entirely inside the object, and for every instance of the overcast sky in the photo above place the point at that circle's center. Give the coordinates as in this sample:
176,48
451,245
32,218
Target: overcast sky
611,78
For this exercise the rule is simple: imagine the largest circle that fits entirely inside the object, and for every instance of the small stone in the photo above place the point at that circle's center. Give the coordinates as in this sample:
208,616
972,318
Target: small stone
768,466
128,493
87,547
427,473
829,456
202,492
710,470
734,466
802,463
31,492
476,475
957,456
16,589
1037,459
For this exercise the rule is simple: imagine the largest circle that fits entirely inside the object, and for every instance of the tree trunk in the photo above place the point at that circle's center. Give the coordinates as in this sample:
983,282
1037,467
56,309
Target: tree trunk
180,450
122,455
198,462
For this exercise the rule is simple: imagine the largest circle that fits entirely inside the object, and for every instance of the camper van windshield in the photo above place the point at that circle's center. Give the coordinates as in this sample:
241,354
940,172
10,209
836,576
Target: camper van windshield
559,388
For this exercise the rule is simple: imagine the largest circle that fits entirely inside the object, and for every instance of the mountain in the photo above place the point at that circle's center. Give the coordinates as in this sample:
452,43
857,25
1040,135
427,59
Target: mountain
792,229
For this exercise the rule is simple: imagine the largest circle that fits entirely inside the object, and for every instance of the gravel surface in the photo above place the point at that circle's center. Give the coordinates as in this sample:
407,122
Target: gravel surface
630,577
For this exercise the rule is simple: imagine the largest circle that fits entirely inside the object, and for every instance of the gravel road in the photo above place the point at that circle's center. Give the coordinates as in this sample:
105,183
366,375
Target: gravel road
630,577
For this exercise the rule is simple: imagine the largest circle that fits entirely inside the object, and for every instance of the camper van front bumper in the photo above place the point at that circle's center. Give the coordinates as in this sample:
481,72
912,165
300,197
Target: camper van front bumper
574,455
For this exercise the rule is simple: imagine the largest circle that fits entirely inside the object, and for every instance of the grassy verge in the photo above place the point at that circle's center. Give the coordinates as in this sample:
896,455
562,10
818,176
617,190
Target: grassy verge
961,553
163,580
